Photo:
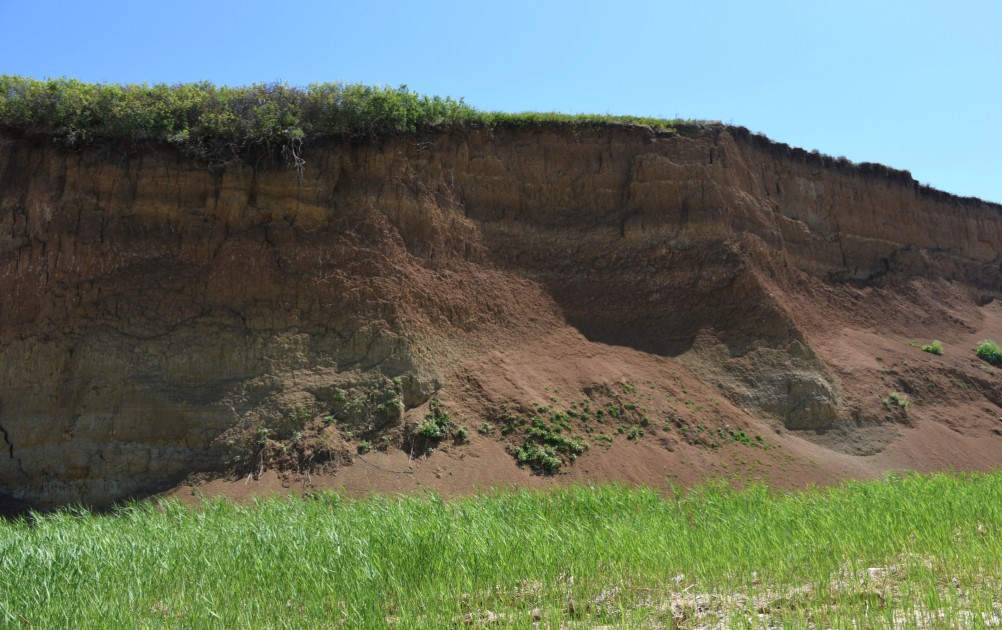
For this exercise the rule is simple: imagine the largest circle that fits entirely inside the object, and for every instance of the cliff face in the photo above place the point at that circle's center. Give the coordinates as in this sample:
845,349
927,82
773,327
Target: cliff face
155,311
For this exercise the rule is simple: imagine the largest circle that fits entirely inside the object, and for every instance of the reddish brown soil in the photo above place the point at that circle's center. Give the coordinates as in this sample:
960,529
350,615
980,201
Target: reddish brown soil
949,425
749,306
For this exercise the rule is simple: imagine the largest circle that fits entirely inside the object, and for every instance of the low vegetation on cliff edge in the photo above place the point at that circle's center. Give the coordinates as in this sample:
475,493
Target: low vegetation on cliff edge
218,124
908,551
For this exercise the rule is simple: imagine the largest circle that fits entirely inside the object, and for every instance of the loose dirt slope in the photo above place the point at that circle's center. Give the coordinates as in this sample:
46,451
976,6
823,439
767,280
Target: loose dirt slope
620,303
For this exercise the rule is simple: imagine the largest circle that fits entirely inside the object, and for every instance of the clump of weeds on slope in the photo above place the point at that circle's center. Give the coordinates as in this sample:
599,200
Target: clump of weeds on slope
547,438
989,351
936,347
897,405
437,426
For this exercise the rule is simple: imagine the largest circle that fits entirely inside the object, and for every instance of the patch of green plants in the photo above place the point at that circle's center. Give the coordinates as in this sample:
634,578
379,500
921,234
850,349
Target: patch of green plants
299,415
896,399
436,423
219,124
989,351
262,435
365,407
526,119
936,347
486,429
539,457
607,411
742,437
545,448
560,421
547,442
605,440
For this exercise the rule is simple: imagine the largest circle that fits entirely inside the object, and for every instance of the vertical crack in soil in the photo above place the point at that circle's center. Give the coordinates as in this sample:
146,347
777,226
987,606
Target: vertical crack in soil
10,448
6,439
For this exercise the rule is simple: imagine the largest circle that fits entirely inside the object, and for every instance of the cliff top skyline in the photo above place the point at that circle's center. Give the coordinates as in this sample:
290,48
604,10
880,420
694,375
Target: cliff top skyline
908,85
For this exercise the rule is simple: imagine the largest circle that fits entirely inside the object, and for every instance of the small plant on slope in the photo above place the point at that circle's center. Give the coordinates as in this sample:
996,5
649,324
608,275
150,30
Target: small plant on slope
936,347
436,423
634,433
989,351
898,399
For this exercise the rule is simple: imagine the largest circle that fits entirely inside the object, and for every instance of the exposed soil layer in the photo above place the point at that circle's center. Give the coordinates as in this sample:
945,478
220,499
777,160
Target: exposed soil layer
733,307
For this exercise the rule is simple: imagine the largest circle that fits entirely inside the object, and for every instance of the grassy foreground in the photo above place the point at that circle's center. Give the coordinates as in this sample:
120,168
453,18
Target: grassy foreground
912,551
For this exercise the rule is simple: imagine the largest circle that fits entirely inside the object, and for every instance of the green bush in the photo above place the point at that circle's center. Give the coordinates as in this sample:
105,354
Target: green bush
989,351
936,347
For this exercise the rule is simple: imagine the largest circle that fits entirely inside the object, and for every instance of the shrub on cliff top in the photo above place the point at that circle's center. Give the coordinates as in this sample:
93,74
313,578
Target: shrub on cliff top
218,123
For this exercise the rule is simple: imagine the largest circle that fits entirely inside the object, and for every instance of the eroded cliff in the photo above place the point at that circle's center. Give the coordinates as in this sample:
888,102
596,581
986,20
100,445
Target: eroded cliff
157,313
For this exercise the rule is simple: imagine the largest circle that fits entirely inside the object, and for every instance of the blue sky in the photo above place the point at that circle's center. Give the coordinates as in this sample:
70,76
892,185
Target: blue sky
915,85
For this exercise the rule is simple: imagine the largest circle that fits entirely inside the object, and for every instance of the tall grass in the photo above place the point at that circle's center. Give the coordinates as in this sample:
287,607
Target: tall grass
893,552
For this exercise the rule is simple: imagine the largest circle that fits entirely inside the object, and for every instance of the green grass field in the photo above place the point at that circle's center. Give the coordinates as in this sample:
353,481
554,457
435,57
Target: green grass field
910,551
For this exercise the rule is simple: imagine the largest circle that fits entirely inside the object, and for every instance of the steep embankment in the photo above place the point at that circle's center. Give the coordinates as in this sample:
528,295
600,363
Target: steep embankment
162,318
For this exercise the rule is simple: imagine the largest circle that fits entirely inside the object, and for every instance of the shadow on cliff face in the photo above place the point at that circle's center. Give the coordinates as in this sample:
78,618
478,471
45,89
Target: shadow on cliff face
12,509
731,304
710,309
783,382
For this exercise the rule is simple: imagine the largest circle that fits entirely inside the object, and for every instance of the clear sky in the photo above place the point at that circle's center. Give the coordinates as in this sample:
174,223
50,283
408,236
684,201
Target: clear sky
913,84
